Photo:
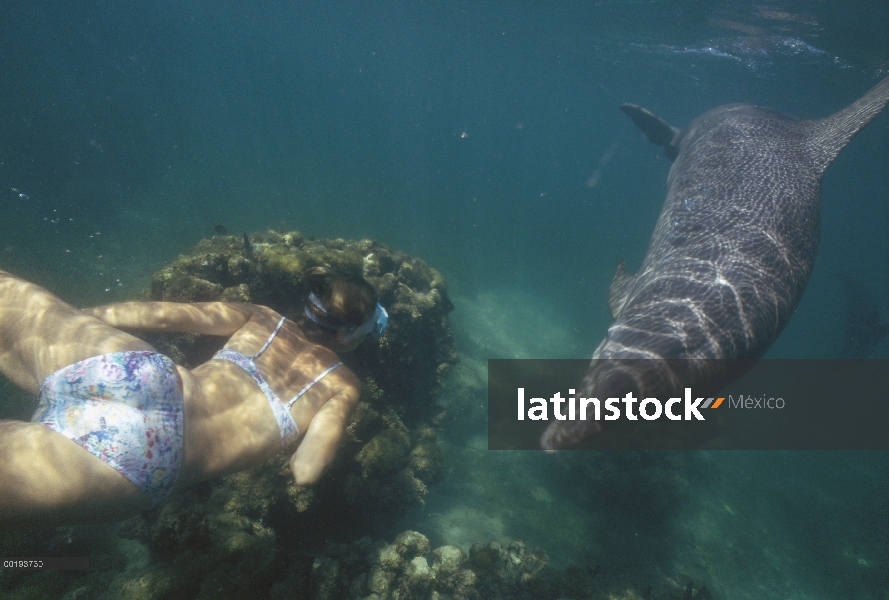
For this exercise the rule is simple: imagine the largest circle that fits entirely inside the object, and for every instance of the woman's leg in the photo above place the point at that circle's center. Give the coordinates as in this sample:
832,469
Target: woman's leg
40,334
48,480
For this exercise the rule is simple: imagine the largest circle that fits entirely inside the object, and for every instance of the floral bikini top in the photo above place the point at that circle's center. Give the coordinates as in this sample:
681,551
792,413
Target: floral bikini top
281,409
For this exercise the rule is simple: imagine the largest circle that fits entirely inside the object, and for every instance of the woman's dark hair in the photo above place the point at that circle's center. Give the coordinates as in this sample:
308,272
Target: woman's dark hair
348,298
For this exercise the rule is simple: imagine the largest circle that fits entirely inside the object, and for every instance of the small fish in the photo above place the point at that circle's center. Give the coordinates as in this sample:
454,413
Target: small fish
247,247
21,194
220,229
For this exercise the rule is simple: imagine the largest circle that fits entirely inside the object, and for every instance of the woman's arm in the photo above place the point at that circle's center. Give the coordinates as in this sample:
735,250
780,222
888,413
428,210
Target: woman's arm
209,318
323,437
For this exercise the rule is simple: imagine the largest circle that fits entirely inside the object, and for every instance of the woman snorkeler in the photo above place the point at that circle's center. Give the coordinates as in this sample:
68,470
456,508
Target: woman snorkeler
119,426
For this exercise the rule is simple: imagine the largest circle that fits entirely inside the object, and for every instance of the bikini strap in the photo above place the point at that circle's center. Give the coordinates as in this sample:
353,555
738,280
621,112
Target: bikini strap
311,383
271,337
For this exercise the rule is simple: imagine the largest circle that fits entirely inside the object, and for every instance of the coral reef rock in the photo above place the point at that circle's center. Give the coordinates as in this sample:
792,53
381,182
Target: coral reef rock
389,454
407,570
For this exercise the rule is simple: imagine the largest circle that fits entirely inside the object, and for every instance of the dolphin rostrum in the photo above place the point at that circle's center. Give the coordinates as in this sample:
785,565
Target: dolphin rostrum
730,255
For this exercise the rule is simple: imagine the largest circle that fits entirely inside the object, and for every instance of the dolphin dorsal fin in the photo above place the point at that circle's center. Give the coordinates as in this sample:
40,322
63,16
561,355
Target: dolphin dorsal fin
830,135
617,295
658,131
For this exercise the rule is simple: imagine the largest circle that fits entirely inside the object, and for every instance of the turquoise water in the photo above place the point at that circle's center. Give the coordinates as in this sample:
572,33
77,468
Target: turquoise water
484,138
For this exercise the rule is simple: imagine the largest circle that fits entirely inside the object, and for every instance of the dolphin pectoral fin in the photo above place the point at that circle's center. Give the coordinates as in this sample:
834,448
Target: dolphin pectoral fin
617,294
830,135
657,130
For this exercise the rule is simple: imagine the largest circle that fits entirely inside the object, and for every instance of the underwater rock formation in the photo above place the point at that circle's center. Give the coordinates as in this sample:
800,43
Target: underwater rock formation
389,454
408,364
242,559
408,569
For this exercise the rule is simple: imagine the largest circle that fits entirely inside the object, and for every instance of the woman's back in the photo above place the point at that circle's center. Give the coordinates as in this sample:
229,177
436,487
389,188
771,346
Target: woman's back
230,422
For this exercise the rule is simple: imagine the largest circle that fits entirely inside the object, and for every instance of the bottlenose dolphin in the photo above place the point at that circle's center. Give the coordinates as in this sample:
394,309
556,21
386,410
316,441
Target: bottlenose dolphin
730,255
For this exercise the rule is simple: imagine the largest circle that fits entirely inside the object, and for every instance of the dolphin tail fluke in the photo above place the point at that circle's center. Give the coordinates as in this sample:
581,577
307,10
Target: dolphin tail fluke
658,131
830,135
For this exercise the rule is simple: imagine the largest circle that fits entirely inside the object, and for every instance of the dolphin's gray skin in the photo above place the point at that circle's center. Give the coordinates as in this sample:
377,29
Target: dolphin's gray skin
730,255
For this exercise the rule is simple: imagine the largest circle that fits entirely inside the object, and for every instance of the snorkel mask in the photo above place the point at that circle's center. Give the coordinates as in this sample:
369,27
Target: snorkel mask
374,326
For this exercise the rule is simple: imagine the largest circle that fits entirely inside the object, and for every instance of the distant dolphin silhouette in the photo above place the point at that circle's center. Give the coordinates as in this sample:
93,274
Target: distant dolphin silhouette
730,255
865,326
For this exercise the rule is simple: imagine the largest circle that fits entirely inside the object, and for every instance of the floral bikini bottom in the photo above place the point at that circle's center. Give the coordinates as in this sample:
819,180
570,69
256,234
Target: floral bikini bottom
126,409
